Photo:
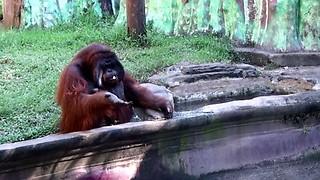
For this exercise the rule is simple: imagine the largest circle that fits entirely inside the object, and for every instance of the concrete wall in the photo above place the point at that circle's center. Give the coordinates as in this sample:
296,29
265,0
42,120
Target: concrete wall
192,144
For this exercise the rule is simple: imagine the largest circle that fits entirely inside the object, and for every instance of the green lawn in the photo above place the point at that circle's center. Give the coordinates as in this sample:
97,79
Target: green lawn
31,61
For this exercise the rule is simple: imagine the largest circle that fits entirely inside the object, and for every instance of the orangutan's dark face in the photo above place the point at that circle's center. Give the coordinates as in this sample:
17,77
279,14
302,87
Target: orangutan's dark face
108,72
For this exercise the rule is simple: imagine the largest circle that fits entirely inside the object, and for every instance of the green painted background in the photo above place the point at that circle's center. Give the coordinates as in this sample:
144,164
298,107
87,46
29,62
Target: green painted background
275,25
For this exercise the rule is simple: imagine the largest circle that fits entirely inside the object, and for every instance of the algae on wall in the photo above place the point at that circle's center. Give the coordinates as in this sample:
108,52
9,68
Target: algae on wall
309,24
275,25
279,28
282,26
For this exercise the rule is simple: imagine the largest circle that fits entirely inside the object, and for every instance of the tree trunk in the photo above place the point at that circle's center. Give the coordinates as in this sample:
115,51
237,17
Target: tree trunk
136,19
12,13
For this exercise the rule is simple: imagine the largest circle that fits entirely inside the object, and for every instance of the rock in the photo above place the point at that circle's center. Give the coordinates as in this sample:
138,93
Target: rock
195,85
194,72
150,114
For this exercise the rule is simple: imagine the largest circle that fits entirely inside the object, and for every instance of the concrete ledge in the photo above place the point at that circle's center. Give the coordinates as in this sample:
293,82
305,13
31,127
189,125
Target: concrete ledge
193,143
264,58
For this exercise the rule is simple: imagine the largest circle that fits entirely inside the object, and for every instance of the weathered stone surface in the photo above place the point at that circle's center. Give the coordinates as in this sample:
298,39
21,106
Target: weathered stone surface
150,114
196,84
185,72
261,57
230,70
196,142
193,143
217,91
286,168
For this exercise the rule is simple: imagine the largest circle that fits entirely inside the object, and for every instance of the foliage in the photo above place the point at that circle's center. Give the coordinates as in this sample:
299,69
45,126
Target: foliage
31,61
1,4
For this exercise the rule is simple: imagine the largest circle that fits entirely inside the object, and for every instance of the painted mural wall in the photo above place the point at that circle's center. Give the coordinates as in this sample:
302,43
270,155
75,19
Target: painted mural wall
274,25
46,13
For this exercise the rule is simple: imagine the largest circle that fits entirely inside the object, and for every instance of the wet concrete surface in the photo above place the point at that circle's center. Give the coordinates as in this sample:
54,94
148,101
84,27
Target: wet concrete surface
190,95
306,168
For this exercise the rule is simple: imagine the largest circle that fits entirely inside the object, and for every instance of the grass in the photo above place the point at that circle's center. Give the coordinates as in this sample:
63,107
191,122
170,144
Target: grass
31,61
1,2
